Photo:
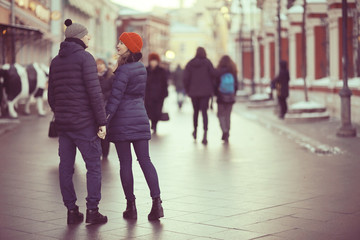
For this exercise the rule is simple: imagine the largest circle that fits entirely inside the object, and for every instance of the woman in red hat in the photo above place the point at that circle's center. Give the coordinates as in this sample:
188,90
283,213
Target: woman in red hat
128,123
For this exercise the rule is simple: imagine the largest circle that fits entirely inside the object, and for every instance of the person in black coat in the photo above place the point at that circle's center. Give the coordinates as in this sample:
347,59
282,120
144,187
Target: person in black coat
75,97
199,84
281,84
178,78
129,124
226,100
106,78
156,89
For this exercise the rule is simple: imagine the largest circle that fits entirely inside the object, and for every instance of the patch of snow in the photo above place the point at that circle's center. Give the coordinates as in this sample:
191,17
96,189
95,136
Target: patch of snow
297,82
259,96
307,105
296,9
316,1
326,82
241,93
323,82
352,83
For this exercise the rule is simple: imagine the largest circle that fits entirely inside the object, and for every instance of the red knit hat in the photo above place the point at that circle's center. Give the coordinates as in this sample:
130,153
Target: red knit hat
154,56
132,41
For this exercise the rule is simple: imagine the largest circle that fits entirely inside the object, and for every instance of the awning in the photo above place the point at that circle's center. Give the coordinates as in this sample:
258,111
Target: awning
13,38
19,31
84,6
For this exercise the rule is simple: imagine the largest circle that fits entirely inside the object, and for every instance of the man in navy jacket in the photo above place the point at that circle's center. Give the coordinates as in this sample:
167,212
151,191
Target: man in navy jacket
76,99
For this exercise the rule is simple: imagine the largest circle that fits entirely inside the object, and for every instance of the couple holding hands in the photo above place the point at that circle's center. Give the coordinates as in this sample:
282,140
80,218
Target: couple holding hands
81,117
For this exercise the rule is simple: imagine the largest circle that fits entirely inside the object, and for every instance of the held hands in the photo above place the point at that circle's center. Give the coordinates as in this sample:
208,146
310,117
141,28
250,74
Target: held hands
102,132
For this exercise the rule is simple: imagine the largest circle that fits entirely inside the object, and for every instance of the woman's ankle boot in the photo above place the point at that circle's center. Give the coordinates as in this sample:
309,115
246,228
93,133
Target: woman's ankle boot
204,141
157,210
130,212
194,134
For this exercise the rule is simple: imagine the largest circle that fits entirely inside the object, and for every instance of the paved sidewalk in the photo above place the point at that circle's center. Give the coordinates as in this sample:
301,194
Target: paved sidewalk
264,185
317,136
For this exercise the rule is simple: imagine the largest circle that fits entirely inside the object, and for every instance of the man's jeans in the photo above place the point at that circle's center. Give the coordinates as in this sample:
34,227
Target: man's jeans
88,143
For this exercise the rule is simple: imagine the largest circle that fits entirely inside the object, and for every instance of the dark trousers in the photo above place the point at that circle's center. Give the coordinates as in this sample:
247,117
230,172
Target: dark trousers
88,143
105,146
141,148
283,106
200,104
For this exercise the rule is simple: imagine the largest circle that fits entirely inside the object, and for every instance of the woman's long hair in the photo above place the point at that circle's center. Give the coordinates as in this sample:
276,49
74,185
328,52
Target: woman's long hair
129,57
227,63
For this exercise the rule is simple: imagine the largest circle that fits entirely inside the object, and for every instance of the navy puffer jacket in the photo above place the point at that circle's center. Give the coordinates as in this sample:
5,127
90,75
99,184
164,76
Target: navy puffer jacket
74,92
125,110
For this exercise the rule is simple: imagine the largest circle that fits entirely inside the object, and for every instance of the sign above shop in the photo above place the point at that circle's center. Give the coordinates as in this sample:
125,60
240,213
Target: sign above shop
38,9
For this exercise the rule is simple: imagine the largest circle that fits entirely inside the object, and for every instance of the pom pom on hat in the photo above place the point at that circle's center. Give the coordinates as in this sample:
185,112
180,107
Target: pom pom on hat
74,30
68,22
132,41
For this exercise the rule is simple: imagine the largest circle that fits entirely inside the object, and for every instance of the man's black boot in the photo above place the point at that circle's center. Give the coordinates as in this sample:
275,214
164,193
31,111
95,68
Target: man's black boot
130,212
94,217
74,216
157,210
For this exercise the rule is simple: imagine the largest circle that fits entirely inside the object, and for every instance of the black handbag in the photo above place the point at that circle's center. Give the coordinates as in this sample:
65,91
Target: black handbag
52,129
164,117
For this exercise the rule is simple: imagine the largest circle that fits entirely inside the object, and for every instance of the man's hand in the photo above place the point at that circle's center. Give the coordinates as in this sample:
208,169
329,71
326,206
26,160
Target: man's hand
102,132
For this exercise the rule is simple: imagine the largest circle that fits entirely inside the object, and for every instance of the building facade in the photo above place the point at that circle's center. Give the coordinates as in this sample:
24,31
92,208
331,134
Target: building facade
32,30
25,31
313,49
322,51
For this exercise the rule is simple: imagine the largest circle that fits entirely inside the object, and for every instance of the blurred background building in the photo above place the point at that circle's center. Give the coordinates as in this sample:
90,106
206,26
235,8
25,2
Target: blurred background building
247,30
31,30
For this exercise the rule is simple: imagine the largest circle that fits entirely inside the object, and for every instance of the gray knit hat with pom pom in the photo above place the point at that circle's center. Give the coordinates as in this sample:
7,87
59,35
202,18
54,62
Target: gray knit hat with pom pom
74,30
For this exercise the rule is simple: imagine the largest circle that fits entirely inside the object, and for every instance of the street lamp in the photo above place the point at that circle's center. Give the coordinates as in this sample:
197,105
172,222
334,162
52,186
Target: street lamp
346,129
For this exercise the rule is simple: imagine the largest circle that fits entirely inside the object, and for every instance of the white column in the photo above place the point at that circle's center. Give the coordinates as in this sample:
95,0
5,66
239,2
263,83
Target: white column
57,26
267,41
293,30
310,51
257,59
334,36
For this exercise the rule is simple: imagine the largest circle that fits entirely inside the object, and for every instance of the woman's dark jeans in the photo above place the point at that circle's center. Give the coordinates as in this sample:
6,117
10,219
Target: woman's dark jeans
141,148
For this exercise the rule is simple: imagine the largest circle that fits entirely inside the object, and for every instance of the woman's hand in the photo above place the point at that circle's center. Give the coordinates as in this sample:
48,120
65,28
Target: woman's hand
102,132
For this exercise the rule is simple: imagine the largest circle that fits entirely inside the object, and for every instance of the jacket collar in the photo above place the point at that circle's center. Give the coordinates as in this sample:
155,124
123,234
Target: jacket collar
76,40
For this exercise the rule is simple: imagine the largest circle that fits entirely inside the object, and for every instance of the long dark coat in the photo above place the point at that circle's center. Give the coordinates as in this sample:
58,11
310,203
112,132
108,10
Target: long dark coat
74,92
125,110
281,82
199,78
156,91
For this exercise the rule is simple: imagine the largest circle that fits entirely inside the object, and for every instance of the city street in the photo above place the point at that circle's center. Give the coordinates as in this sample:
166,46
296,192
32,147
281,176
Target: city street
265,184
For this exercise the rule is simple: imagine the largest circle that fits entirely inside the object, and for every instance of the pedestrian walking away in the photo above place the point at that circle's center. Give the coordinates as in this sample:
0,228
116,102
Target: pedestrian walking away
281,84
106,78
75,97
129,124
178,79
225,91
156,90
199,84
